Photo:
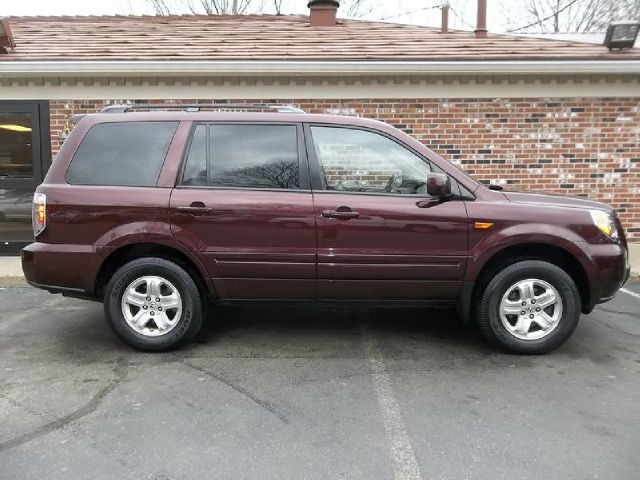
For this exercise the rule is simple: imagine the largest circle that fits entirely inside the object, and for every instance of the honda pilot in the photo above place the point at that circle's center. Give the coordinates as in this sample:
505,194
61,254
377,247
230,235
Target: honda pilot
158,211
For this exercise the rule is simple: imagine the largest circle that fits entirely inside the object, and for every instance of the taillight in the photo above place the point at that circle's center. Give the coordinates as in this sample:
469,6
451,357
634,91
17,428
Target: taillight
39,213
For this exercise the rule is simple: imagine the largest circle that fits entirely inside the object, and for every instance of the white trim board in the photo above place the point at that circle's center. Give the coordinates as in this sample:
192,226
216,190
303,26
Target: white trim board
317,88
312,68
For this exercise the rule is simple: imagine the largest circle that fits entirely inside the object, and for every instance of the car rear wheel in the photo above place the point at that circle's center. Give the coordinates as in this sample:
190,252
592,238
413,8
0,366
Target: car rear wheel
530,307
153,304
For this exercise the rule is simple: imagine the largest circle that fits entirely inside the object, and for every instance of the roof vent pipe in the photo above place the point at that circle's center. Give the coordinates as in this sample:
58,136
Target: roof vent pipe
323,12
445,17
481,26
6,38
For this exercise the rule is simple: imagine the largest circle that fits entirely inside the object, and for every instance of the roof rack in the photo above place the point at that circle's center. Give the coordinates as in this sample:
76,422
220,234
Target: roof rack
123,108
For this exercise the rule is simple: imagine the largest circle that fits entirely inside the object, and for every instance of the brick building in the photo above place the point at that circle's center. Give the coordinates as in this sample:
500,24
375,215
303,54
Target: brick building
528,113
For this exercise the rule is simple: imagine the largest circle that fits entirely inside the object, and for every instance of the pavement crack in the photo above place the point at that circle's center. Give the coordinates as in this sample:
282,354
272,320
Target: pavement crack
19,316
120,370
25,407
612,327
618,312
258,401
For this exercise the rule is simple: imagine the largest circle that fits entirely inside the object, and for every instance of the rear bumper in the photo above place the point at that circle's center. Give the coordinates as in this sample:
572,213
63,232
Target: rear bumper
70,269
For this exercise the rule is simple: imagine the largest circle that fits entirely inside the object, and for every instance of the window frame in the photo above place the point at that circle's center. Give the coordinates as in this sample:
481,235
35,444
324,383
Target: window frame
316,174
303,161
91,127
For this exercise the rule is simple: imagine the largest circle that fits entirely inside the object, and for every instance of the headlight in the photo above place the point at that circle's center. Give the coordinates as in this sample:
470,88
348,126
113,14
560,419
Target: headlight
604,221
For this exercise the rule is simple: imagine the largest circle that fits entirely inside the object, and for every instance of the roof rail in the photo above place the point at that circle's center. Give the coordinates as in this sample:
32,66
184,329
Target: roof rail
123,108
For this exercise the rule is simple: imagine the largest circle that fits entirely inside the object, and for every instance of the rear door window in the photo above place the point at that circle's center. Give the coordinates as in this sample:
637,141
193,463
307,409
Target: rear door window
122,154
243,156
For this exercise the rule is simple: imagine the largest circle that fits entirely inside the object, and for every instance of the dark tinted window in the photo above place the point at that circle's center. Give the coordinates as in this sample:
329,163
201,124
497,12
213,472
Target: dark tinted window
252,156
126,153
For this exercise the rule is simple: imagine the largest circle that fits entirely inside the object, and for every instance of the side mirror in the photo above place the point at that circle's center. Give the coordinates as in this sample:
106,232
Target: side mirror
438,185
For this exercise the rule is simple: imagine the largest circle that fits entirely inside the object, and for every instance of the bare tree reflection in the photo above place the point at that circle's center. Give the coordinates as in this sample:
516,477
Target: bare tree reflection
278,174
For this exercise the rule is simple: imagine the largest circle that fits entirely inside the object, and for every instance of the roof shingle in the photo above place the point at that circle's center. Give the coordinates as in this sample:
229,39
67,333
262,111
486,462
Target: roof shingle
272,37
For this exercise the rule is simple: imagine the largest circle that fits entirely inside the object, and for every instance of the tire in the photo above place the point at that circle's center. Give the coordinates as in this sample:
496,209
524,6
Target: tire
157,329
508,291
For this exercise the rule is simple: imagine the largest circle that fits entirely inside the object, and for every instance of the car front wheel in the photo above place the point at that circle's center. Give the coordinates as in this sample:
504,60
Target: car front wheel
530,307
153,304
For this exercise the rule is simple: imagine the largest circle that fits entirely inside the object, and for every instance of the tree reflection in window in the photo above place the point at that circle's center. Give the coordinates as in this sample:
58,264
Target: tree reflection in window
277,174
250,156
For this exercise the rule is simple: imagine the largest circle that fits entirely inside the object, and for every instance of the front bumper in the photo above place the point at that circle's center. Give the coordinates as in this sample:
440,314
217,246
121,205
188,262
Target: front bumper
612,270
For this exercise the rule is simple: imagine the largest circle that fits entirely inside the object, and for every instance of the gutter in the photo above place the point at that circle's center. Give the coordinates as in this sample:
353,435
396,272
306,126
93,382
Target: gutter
41,68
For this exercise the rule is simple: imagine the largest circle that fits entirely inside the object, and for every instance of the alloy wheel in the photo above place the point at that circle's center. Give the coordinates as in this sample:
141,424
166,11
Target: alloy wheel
151,305
531,309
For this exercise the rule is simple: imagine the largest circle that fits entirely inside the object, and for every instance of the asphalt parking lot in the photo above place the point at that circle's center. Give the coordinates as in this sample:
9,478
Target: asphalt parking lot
314,393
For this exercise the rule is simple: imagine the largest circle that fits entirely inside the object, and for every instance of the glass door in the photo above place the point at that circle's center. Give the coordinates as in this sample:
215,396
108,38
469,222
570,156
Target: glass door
21,170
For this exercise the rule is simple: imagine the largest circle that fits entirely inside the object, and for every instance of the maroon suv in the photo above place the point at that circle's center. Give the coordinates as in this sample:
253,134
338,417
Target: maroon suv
157,213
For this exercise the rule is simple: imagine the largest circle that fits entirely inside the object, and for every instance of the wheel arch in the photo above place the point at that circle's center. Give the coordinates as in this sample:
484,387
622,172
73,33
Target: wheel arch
126,253
508,255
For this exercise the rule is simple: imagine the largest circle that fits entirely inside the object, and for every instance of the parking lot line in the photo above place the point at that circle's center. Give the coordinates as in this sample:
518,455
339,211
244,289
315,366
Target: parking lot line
629,292
404,459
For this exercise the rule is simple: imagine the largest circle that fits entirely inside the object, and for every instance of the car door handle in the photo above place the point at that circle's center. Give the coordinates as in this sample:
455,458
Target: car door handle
194,208
340,214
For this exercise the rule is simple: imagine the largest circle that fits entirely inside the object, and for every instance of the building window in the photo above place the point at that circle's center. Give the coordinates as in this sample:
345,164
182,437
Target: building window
24,159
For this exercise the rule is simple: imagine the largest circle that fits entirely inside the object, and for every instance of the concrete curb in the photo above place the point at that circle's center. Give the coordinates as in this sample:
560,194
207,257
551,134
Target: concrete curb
12,281
11,272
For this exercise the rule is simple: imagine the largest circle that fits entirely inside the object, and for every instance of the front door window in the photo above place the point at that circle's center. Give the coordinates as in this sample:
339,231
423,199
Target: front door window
354,160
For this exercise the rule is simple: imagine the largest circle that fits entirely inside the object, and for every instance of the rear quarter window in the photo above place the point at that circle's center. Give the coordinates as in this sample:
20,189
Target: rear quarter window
122,154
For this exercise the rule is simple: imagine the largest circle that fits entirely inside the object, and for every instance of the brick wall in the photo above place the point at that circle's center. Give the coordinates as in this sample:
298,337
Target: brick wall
579,146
